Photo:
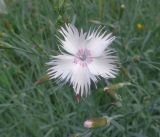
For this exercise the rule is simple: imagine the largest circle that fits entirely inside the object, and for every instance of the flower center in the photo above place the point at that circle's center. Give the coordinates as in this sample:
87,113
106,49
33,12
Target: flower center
83,57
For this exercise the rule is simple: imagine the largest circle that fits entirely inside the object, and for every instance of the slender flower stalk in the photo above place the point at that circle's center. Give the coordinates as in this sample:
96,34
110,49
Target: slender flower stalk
86,58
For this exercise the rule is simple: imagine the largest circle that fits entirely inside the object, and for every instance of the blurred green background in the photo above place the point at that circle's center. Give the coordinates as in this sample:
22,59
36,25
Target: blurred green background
28,30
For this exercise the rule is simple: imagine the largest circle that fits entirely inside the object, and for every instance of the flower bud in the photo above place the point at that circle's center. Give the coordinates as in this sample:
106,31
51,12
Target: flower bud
116,86
2,34
137,58
97,122
111,90
139,26
123,6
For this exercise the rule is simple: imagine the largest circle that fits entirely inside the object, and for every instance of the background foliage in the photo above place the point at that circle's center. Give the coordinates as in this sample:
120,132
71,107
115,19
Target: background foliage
27,38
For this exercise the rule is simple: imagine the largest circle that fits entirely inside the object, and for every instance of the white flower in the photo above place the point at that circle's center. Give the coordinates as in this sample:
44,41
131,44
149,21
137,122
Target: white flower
87,57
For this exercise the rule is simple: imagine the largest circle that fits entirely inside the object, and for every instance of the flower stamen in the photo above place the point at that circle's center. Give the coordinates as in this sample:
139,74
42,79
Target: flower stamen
83,57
